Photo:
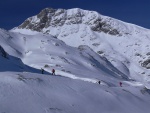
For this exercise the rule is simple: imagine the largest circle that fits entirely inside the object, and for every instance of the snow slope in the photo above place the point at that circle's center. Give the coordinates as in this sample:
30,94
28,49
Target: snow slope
13,64
35,93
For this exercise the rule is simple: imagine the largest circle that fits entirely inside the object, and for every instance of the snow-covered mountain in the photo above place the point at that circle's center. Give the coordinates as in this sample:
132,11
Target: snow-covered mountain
121,43
84,47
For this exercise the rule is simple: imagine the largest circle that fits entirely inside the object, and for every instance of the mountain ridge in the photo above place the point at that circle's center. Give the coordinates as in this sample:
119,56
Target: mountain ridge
58,17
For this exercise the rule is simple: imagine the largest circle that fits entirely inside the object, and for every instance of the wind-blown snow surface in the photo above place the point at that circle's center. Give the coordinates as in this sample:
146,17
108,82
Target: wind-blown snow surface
82,53
36,93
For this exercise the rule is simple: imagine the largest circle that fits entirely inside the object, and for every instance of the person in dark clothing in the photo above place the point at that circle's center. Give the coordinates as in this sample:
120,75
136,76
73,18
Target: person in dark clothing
120,83
53,71
42,70
99,82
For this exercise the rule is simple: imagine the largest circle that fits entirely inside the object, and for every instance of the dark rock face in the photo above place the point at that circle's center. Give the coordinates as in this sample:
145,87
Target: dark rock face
52,17
3,53
146,64
43,21
101,26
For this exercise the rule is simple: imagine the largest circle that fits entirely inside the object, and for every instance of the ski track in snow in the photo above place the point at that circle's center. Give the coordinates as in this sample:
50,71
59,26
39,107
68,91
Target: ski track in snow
61,73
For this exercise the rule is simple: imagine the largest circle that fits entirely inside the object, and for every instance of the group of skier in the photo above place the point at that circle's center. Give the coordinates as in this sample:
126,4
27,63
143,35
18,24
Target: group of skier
53,73
120,83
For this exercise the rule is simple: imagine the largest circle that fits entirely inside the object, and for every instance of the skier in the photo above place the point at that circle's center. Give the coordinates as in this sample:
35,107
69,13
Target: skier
42,70
120,83
99,82
53,71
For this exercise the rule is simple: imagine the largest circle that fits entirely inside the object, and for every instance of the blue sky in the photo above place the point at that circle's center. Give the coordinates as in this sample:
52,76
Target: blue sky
14,12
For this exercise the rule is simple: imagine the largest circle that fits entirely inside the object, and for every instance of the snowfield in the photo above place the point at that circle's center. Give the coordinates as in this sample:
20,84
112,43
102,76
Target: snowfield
36,93
84,48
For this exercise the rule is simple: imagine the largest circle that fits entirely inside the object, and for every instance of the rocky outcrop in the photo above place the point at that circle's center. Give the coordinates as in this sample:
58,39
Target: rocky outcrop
101,26
146,64
43,20
2,52
53,18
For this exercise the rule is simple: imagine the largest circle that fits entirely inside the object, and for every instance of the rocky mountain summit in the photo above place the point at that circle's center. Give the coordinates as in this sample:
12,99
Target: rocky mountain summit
49,17
54,18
